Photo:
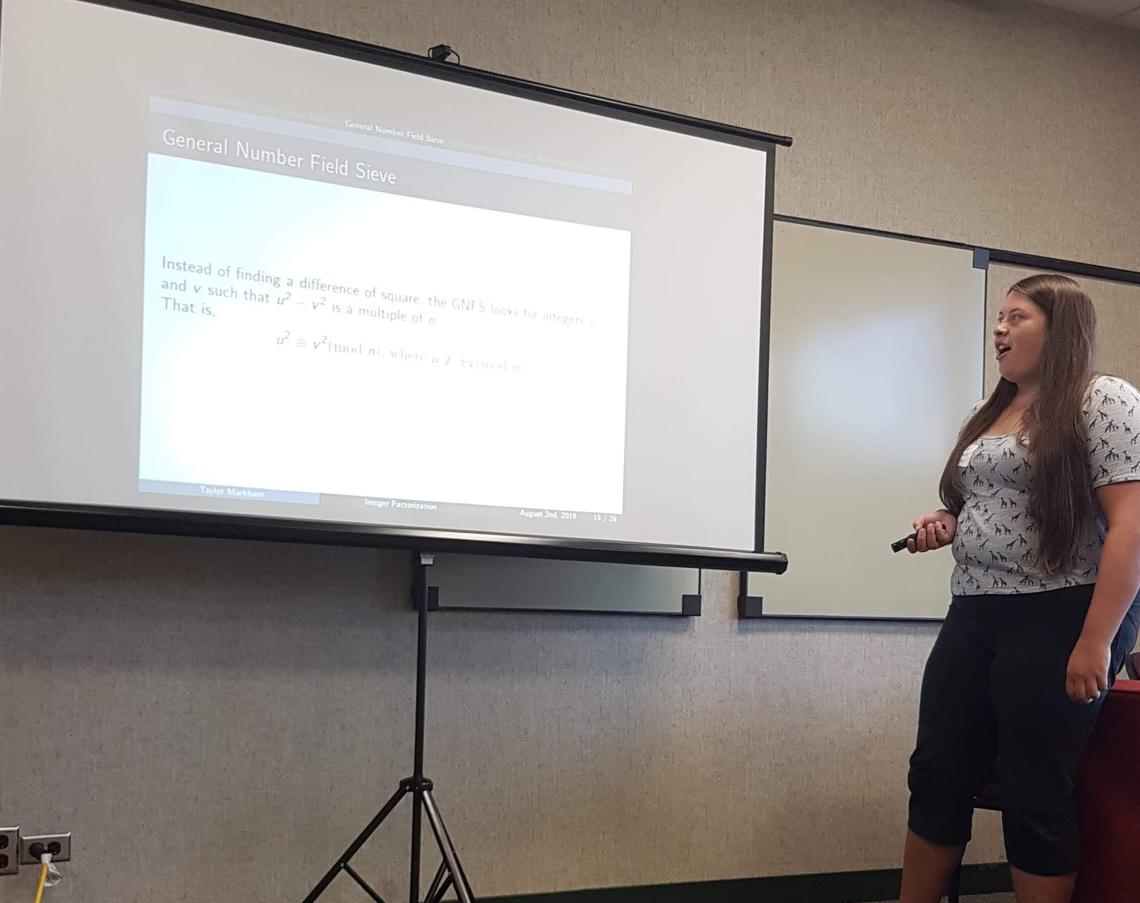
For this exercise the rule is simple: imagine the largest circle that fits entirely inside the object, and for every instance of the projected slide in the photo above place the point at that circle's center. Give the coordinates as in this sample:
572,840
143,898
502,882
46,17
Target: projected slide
360,299
305,338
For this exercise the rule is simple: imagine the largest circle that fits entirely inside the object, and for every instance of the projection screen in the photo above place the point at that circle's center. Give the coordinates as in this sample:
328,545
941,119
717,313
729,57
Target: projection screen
255,275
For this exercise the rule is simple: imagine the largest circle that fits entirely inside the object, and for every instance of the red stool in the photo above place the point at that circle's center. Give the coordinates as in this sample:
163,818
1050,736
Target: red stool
1108,799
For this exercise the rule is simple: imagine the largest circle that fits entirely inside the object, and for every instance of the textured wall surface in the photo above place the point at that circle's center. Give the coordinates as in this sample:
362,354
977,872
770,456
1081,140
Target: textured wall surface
214,720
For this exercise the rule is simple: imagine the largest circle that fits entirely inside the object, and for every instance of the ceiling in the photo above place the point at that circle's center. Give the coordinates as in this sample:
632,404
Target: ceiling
1119,12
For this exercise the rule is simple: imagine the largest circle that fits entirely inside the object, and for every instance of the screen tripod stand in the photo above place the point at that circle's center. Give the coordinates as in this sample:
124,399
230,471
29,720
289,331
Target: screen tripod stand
450,874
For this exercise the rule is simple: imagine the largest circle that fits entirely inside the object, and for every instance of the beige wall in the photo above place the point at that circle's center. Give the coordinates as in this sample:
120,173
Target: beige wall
215,719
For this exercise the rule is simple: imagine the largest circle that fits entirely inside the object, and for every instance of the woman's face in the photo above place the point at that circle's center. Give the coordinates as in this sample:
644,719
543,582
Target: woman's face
1019,339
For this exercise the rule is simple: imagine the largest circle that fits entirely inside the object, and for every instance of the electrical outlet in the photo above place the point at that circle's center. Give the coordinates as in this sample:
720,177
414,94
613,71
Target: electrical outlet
32,848
9,851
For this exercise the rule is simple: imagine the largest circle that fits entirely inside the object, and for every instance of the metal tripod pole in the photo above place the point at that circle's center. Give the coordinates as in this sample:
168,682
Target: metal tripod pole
450,874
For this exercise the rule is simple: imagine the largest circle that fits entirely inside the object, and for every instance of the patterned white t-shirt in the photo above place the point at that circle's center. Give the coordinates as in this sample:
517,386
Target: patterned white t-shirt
996,544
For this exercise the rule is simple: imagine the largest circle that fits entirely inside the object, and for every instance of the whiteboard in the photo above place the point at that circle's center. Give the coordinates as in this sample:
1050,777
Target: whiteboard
877,354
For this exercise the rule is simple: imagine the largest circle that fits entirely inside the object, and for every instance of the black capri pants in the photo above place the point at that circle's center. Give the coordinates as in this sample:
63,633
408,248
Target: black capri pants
995,686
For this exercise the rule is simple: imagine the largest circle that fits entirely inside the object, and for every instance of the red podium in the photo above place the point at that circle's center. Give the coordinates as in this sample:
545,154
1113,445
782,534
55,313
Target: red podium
1108,802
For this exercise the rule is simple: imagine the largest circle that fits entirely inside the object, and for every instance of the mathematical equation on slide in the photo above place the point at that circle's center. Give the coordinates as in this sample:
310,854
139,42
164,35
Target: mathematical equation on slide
316,316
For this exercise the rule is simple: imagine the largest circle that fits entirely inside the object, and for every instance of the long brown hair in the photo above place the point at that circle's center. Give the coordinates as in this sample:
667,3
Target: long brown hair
1061,491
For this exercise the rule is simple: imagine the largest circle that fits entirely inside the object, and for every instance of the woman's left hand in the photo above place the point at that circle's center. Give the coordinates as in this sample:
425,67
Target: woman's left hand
1087,674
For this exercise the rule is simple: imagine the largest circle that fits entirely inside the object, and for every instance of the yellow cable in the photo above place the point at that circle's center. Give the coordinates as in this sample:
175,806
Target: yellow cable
43,880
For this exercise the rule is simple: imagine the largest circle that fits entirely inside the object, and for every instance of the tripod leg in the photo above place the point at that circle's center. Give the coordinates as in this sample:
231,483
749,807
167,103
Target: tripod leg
355,845
414,891
420,592
443,889
438,884
450,857
364,885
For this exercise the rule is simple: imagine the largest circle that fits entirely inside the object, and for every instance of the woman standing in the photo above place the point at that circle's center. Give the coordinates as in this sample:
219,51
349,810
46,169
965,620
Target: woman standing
1042,507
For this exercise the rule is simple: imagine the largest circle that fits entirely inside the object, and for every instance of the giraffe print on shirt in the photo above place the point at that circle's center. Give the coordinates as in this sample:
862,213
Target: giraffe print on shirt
996,544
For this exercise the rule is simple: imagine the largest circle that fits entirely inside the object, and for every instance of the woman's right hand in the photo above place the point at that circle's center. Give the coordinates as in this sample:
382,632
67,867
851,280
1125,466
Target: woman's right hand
934,530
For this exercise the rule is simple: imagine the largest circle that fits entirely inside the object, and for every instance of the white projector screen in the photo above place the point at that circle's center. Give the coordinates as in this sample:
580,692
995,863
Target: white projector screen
254,277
